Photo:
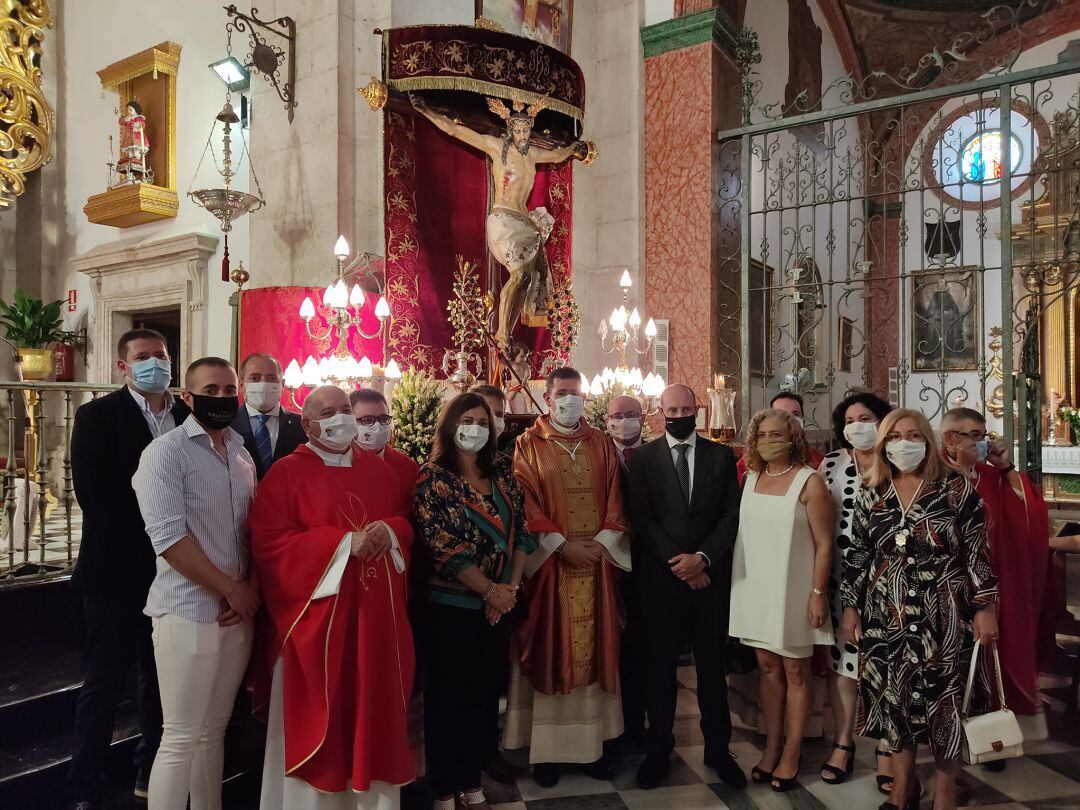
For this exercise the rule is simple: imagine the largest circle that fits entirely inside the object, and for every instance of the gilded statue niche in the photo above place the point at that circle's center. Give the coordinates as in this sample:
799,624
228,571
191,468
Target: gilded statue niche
26,121
145,84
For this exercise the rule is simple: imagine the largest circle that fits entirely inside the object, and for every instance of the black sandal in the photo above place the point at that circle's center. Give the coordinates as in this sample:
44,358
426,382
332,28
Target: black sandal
781,785
839,775
760,776
884,783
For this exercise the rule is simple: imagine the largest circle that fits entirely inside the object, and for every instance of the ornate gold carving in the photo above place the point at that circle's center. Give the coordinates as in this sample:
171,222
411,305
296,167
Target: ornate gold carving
26,121
995,403
375,93
162,58
591,153
128,205
488,24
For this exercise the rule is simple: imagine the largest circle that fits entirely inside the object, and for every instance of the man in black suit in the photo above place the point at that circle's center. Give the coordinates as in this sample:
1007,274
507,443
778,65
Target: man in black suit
270,432
116,561
683,499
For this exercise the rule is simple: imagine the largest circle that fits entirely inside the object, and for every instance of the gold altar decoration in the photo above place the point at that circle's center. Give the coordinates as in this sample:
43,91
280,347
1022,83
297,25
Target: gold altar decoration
375,94
467,311
26,121
150,78
1046,269
995,402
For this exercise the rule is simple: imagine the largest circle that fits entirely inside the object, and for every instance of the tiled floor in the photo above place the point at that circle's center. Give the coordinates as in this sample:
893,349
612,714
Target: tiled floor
57,553
1048,778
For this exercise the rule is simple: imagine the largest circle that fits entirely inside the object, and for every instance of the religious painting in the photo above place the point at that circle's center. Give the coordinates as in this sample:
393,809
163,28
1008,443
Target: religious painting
845,343
547,21
761,319
945,320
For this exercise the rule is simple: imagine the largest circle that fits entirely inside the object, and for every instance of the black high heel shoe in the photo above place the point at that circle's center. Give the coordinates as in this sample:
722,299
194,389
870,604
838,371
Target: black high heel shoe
884,783
760,776
839,775
781,785
911,804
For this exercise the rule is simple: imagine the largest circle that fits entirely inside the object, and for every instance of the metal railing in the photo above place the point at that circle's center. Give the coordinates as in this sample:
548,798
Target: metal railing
40,515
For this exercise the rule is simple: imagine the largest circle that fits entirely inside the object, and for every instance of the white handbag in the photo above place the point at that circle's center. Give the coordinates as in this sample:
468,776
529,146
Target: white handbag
992,736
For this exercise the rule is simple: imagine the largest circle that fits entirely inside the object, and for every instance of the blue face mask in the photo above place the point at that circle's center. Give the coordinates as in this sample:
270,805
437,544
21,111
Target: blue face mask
151,375
983,448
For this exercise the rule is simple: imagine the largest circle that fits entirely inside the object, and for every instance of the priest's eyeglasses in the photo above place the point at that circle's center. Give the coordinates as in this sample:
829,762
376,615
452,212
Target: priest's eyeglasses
627,415
370,421
955,435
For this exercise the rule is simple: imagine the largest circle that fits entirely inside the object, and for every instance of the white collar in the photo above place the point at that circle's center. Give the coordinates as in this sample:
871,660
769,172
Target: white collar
690,440
332,459
273,413
566,431
141,401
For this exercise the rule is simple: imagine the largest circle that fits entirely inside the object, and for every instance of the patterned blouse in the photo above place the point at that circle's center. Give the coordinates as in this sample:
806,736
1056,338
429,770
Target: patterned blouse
462,528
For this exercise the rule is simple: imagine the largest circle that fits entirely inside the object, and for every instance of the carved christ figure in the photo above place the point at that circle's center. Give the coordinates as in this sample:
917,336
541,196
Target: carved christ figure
515,235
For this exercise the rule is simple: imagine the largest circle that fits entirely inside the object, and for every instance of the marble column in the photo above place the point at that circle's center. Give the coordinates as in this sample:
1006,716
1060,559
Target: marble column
691,91
322,175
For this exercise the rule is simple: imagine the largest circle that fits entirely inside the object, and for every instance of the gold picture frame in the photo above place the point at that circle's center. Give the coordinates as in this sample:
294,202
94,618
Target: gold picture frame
945,319
547,21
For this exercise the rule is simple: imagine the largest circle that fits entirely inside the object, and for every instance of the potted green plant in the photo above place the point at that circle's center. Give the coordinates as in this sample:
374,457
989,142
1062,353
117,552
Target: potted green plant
32,325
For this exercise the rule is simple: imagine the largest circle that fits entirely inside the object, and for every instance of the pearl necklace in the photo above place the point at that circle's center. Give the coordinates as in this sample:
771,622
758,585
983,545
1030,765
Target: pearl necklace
790,467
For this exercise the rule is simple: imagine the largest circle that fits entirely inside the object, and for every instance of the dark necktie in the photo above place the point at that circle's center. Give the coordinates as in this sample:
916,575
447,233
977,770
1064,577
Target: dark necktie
682,469
264,449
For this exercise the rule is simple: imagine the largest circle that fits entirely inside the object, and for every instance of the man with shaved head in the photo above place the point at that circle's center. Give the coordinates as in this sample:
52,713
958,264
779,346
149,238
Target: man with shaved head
329,539
683,499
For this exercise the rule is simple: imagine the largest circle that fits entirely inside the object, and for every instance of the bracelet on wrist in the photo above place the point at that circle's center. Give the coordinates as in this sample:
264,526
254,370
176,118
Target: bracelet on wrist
817,592
489,592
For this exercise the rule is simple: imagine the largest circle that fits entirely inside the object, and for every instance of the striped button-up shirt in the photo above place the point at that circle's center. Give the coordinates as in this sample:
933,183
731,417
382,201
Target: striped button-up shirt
187,489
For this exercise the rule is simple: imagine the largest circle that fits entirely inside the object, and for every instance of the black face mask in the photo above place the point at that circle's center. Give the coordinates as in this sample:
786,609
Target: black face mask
681,426
214,413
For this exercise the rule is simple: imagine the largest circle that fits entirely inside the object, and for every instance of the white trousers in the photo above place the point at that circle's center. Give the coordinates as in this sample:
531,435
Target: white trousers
200,666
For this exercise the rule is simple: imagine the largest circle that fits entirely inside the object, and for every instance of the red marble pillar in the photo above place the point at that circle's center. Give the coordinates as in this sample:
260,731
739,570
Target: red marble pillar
691,91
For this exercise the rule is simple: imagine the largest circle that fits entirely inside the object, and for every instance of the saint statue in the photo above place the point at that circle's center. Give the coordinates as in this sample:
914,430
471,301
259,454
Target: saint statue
134,145
515,235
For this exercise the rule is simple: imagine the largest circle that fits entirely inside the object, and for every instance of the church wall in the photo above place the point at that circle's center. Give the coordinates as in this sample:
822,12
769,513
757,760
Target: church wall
1053,96
96,34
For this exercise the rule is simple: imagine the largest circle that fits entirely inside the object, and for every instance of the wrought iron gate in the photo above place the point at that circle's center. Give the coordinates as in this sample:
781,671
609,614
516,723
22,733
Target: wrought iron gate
916,234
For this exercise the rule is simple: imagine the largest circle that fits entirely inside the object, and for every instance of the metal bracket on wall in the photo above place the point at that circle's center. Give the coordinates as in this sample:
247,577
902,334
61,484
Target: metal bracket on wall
266,58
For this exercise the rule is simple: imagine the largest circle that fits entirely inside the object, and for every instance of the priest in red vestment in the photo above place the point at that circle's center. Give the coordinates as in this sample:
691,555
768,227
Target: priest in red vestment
1019,535
329,539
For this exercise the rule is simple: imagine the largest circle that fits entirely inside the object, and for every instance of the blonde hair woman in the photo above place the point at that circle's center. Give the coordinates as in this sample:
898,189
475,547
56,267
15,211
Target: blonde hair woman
916,574
780,572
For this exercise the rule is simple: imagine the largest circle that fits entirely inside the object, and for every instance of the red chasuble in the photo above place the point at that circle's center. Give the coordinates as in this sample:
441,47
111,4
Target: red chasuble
347,658
1019,535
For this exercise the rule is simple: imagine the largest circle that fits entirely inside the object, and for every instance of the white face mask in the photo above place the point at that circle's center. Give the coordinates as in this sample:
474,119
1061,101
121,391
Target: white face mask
373,438
982,448
471,438
568,409
262,396
338,431
499,423
624,430
861,435
905,455
800,420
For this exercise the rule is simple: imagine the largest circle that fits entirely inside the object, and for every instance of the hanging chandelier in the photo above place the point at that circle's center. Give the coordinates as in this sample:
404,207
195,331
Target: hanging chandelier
226,203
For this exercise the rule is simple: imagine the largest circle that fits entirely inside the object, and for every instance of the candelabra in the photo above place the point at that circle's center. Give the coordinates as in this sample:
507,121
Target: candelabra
646,389
342,370
623,328
344,306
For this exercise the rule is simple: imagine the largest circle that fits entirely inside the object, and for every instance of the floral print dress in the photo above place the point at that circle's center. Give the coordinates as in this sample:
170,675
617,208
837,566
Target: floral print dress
917,577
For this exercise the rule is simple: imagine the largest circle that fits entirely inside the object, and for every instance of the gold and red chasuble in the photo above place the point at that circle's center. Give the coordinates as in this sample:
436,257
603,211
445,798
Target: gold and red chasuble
571,482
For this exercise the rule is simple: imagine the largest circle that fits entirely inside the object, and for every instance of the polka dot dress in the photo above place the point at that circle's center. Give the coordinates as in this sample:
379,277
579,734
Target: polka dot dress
840,475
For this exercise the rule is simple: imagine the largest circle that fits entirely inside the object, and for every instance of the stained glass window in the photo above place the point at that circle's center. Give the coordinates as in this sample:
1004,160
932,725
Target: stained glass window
981,158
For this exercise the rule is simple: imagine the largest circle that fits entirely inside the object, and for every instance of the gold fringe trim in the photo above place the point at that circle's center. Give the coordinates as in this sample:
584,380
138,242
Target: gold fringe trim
486,88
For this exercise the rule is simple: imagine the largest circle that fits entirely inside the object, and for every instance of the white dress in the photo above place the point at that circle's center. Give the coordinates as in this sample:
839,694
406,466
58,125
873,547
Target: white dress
772,572
840,474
